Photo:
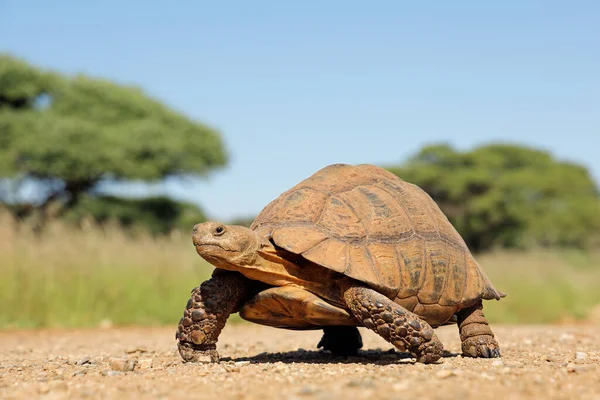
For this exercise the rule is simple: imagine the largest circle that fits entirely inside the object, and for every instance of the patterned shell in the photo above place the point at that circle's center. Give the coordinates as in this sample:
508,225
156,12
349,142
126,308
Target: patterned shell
366,223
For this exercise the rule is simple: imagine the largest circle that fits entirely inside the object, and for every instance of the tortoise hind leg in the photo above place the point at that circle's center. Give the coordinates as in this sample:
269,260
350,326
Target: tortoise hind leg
341,340
394,323
475,333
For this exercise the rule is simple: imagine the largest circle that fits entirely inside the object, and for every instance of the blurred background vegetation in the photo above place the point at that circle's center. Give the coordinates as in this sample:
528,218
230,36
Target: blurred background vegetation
78,256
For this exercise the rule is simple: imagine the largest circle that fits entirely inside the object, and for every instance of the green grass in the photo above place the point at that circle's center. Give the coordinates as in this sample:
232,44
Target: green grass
72,278
543,286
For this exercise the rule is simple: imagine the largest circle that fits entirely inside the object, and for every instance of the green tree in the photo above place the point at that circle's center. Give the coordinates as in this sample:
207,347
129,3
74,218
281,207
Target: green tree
503,195
67,134
157,214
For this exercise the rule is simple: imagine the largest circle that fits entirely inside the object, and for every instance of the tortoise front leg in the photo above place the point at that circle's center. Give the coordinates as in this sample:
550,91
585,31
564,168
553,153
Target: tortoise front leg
206,313
394,323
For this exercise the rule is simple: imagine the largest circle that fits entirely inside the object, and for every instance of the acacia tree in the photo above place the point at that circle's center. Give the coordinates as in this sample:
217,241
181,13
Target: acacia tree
69,133
503,195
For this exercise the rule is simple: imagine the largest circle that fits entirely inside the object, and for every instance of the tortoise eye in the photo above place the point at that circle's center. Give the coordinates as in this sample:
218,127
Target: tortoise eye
219,230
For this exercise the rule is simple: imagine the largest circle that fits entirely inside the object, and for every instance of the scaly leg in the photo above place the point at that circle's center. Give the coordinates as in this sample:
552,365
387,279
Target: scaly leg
475,333
206,313
394,323
341,340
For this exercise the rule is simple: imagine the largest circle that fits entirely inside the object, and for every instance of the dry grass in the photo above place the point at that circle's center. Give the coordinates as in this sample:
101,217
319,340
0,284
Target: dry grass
81,278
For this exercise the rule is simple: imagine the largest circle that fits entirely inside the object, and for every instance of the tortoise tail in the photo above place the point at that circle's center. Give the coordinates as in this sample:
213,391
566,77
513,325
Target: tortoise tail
489,291
479,285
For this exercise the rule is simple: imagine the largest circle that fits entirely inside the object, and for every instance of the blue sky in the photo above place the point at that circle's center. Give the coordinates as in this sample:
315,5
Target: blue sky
294,86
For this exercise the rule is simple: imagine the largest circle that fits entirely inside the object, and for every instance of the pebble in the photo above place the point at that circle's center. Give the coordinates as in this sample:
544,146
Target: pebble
445,373
145,363
497,363
111,373
580,355
84,360
139,349
242,363
122,364
577,368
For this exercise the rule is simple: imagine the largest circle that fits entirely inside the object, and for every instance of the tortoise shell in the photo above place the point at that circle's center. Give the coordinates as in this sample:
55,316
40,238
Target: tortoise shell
368,224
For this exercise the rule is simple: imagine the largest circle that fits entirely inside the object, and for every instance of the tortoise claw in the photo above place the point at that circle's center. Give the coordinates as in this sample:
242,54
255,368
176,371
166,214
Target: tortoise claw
481,347
197,354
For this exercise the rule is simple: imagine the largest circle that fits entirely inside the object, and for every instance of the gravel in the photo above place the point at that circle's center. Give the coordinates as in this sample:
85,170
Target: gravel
551,362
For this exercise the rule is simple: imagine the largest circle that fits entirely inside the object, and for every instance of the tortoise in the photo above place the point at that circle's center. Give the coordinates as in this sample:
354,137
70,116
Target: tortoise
350,246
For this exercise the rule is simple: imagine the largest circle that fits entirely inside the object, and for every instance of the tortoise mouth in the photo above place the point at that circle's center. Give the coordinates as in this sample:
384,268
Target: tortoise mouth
202,247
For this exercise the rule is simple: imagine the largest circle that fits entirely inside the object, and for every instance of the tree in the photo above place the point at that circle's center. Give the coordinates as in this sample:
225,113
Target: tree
70,133
503,195
157,215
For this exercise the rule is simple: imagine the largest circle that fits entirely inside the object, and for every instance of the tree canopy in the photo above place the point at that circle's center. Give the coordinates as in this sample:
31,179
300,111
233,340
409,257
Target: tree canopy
69,133
503,195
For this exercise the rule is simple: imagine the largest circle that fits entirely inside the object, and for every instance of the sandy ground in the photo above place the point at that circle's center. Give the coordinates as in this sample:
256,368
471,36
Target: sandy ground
558,362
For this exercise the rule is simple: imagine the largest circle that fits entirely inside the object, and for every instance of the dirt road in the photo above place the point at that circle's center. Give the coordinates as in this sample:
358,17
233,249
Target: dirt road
263,363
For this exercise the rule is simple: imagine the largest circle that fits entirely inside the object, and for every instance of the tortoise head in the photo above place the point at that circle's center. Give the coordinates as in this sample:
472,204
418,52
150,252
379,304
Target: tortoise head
226,245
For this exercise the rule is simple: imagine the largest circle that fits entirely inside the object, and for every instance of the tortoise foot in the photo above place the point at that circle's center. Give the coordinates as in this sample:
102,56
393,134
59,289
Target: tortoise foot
475,333
430,352
341,340
193,354
484,346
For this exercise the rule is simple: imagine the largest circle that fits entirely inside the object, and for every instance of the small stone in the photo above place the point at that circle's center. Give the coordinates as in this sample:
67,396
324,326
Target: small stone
550,358
580,355
97,360
111,373
145,363
576,368
59,373
139,349
242,363
445,373
84,360
498,363
527,342
231,367
203,359
122,364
